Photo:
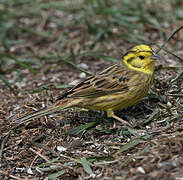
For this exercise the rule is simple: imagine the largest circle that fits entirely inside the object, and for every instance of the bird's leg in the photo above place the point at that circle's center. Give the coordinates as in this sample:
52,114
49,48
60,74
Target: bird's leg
110,113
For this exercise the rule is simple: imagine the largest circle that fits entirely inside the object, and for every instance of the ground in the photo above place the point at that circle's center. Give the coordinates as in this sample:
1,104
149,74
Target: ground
47,46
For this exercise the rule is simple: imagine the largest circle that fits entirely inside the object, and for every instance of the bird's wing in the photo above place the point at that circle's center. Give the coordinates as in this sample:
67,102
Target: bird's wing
112,80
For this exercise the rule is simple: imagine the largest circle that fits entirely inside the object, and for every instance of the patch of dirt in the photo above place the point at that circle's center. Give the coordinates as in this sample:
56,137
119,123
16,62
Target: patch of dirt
159,156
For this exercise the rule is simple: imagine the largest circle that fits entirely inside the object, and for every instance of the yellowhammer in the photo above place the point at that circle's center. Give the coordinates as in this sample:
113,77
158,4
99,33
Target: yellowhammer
115,88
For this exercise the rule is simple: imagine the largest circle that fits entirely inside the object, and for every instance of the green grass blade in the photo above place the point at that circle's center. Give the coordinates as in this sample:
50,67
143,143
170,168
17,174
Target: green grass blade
20,63
86,165
175,32
130,144
56,175
166,50
7,83
151,117
82,128
38,33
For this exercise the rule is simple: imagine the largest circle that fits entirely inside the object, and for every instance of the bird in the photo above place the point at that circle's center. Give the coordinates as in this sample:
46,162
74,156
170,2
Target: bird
115,88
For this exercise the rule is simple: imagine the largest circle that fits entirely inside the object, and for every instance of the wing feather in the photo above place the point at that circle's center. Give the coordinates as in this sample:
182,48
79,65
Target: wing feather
112,80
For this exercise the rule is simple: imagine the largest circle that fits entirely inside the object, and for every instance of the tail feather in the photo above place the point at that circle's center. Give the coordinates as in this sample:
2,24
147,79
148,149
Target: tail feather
59,105
45,111
37,114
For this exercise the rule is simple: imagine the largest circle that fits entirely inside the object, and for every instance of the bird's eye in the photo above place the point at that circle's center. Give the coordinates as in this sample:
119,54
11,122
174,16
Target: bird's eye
141,57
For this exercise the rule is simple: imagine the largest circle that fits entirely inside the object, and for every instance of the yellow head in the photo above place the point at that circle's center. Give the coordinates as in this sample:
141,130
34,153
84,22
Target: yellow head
140,58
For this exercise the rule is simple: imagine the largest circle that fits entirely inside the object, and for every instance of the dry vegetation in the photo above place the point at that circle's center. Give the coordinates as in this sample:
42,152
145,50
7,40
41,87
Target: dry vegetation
46,46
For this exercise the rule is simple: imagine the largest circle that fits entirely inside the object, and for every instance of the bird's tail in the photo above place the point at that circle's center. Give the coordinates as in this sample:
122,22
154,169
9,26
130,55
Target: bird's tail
46,111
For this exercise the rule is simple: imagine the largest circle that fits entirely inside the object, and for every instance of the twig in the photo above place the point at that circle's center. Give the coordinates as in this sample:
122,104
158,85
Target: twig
39,154
12,176
50,162
35,159
2,145
106,162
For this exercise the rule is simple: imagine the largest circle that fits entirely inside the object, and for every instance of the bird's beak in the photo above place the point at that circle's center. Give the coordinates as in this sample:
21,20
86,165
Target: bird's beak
155,56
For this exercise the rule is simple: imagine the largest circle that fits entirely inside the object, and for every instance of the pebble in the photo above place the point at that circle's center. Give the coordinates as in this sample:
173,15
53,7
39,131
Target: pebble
83,66
82,75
